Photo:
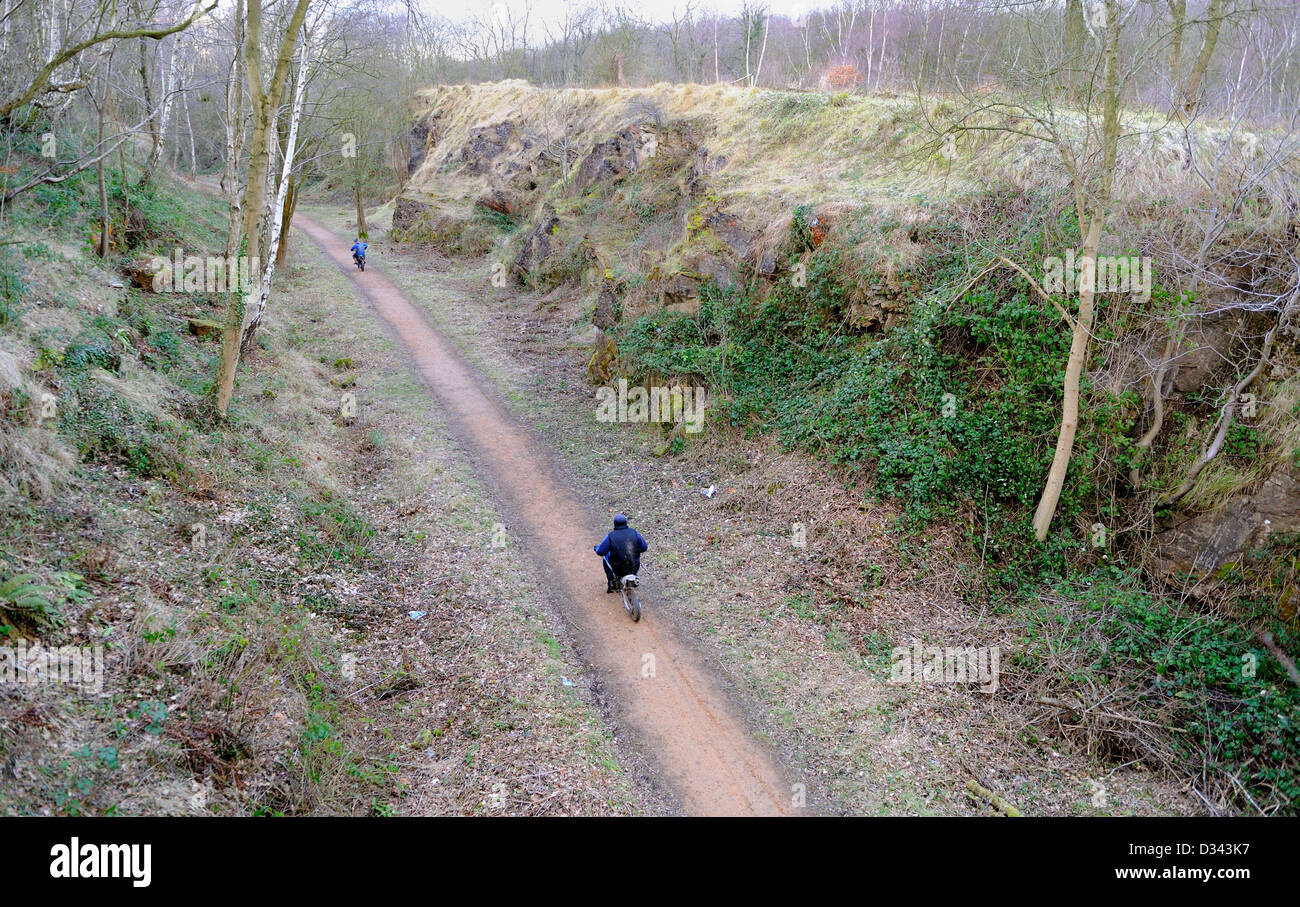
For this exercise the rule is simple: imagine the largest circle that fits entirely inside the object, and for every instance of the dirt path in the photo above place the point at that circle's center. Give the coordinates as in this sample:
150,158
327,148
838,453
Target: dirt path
678,711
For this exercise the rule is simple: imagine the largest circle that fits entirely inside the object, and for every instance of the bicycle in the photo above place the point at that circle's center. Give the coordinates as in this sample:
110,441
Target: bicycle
631,601
627,586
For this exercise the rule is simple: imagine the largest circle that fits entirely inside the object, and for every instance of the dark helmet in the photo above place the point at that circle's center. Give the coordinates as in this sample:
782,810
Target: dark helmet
620,521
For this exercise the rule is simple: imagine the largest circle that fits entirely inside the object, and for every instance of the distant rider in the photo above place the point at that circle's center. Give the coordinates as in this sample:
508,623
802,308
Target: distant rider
358,249
620,552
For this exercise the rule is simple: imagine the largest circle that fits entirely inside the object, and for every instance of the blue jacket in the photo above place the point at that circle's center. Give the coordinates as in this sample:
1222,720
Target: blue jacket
624,548
358,246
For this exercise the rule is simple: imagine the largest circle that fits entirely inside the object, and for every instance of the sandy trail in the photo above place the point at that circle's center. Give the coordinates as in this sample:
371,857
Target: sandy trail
679,714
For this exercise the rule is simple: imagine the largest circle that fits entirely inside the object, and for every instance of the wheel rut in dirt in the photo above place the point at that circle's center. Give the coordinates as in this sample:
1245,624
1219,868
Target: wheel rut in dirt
678,711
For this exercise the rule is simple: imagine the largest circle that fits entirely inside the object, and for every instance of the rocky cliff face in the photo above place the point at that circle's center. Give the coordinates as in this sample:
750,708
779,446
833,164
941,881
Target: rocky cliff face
652,185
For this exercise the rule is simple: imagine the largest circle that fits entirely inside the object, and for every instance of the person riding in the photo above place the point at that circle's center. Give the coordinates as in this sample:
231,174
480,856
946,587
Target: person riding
358,249
620,552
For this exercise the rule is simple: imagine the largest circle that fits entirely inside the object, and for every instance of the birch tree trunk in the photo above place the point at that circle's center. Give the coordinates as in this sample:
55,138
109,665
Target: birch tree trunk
277,211
286,219
234,134
273,156
871,35
189,127
884,38
158,125
758,70
265,101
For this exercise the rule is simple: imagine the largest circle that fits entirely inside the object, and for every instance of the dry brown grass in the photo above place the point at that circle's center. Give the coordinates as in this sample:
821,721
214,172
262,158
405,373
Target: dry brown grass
33,460
782,149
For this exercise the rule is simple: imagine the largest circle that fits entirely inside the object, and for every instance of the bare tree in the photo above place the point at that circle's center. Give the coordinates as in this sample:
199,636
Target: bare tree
102,22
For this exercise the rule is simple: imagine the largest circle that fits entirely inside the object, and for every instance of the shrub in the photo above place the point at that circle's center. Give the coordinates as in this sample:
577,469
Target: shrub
843,77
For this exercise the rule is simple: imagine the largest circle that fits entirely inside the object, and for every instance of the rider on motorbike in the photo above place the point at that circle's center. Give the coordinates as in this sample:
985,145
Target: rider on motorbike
620,552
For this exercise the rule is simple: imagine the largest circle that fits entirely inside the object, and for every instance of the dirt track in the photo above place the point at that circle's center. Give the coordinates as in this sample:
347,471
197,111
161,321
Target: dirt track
679,713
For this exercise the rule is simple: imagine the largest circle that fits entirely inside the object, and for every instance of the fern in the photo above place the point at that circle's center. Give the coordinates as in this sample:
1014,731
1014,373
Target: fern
24,601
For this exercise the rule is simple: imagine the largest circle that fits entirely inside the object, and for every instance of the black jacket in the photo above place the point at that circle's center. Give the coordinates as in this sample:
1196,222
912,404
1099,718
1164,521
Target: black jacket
623,547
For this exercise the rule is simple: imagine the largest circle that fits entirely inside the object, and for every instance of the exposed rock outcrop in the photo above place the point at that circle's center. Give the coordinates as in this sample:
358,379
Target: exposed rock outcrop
537,245
606,314
1209,346
408,215
1206,543
613,159
730,232
422,137
485,144
502,201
